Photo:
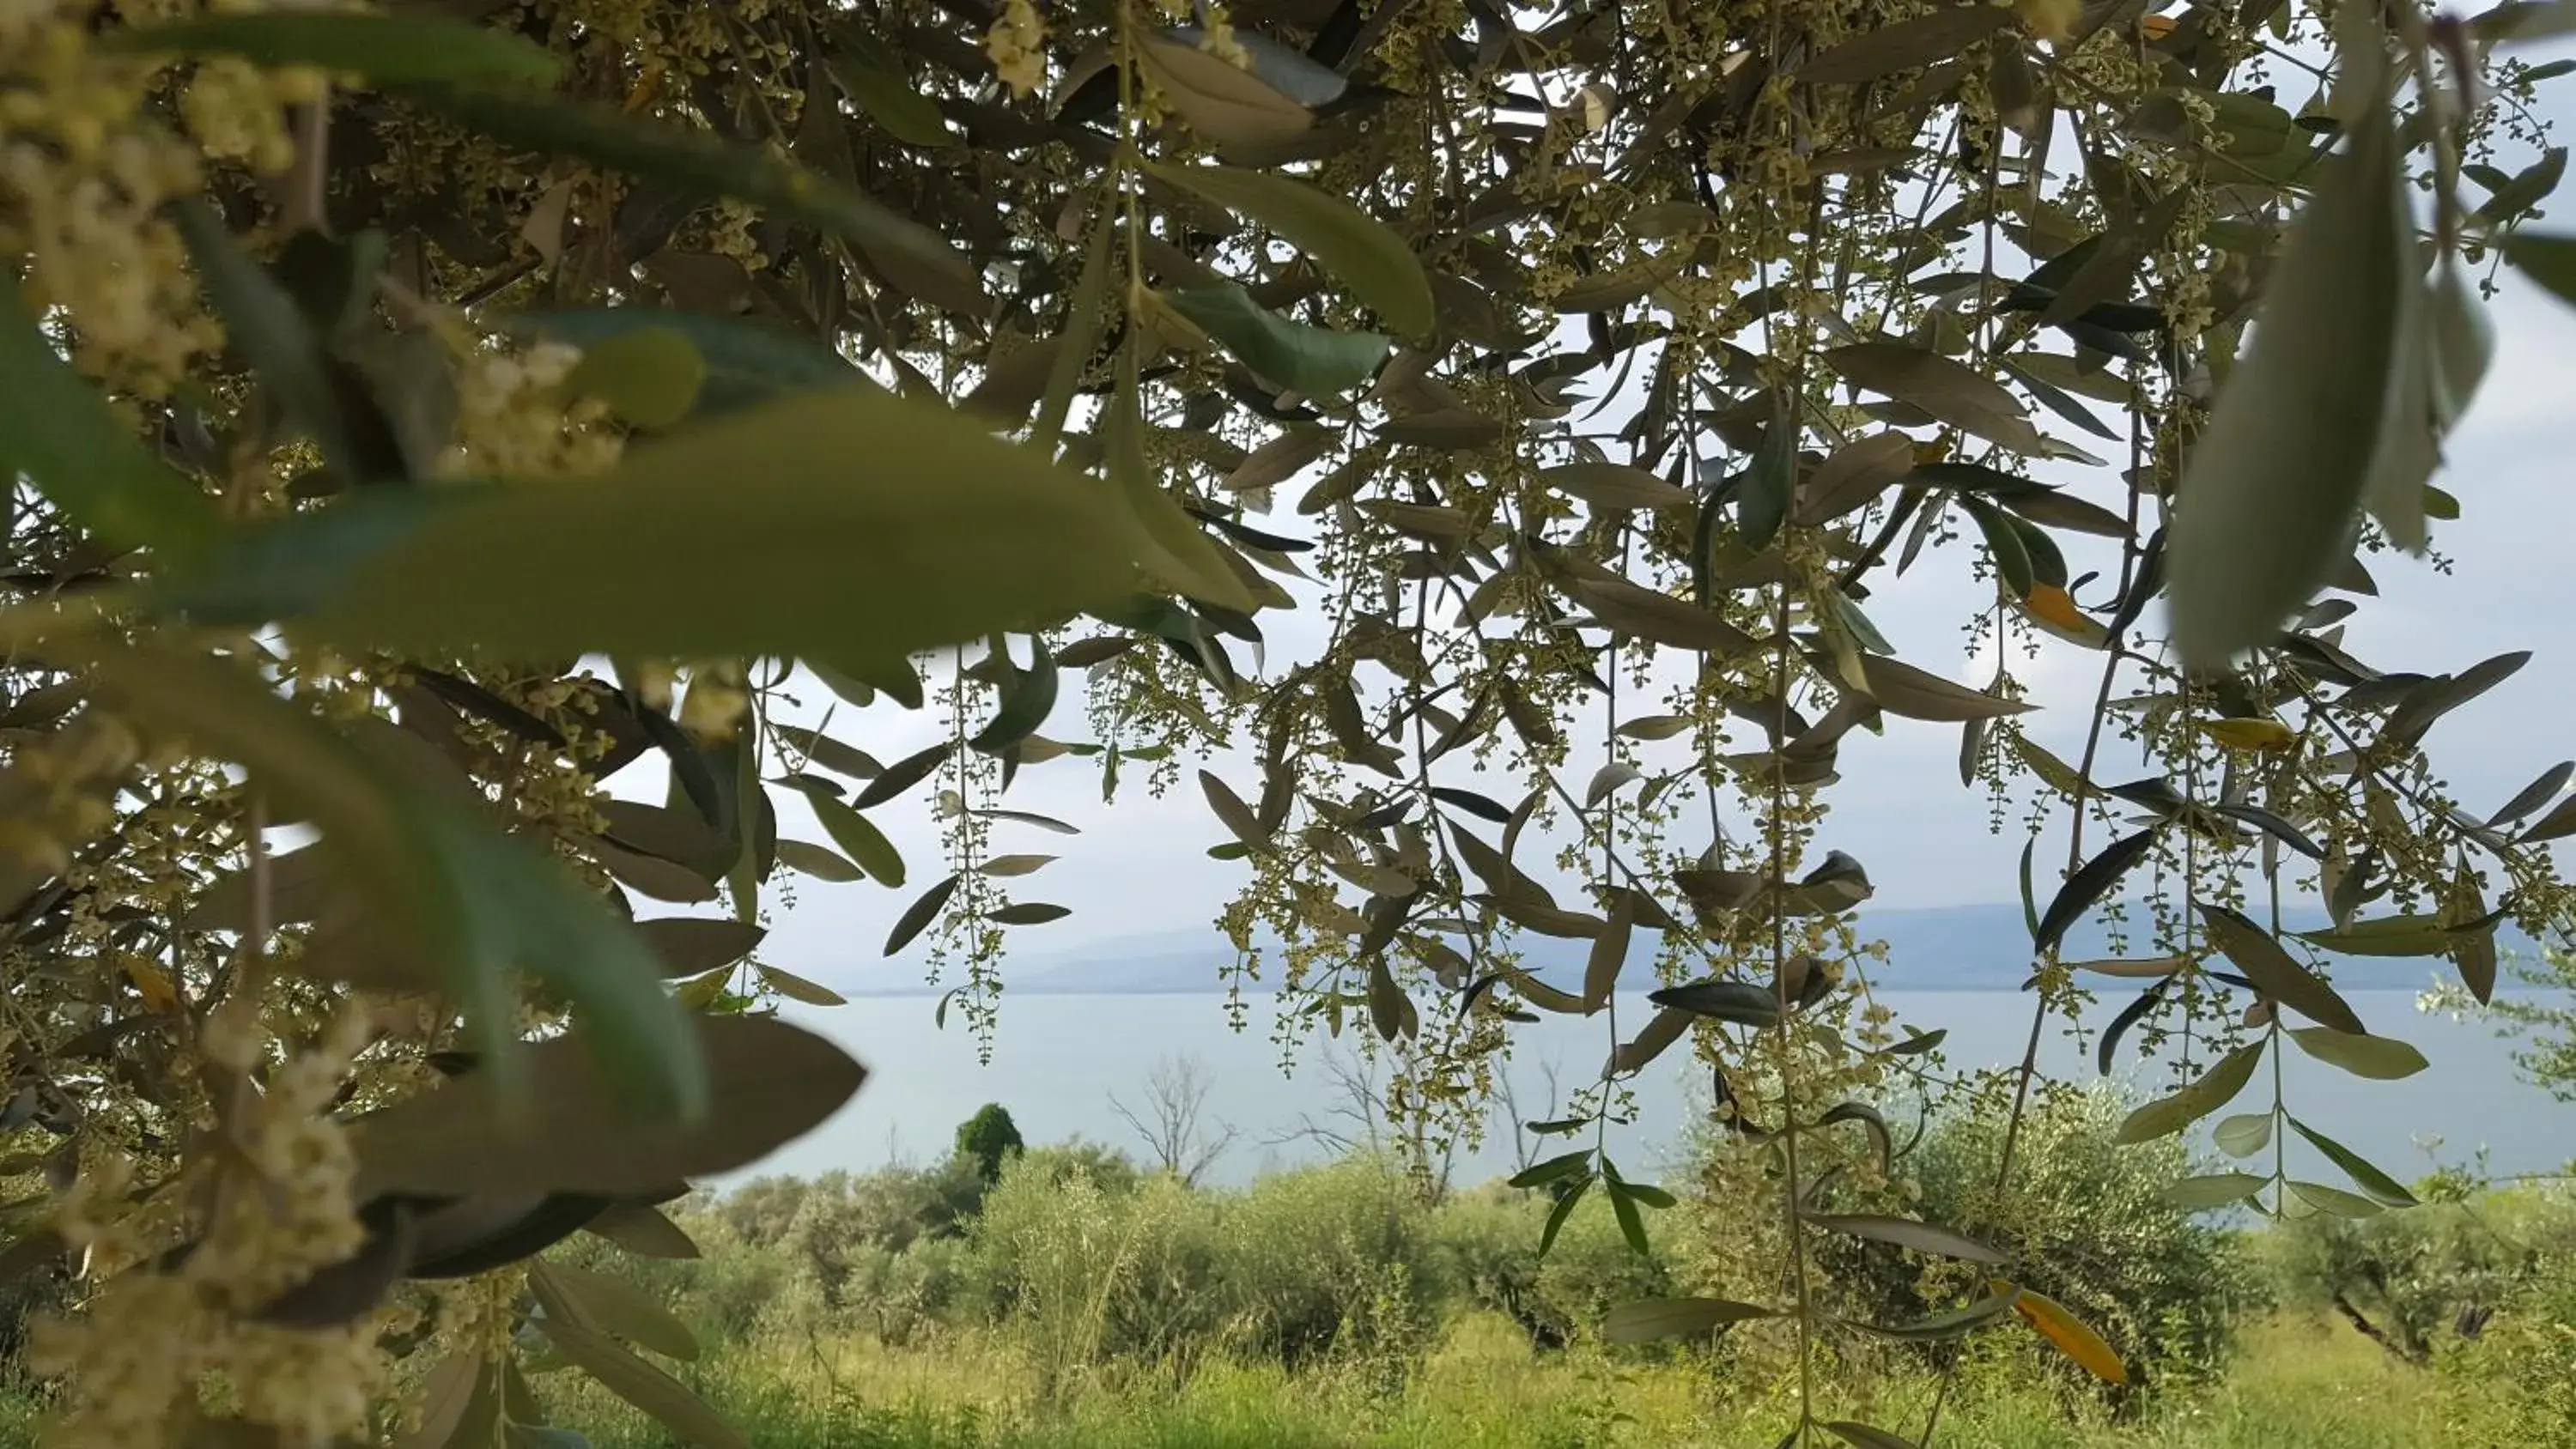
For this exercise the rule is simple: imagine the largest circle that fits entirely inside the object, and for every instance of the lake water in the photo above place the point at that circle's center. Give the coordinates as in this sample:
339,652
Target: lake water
1058,1059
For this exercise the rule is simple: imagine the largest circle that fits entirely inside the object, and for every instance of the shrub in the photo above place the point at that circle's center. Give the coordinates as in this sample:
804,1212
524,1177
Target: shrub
1326,1260
1107,1167
2520,1366
1485,1245
732,1293
2417,1280
1083,1274
898,1296
1320,1262
2085,1223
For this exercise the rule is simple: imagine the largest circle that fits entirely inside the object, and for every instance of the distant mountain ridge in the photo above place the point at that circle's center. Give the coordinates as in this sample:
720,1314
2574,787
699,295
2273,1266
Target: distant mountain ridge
1946,948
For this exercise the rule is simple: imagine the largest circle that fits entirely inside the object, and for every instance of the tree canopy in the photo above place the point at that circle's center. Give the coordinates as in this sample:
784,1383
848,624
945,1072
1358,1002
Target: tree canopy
424,415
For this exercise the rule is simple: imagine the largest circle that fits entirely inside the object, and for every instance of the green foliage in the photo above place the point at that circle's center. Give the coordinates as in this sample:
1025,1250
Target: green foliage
2087,1223
1485,1245
1322,1263
2429,1280
1086,1274
1326,1261
2520,1369
988,1138
2298,1384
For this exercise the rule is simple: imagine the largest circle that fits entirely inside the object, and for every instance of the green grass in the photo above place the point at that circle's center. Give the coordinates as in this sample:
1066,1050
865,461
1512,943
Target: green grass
2297,1384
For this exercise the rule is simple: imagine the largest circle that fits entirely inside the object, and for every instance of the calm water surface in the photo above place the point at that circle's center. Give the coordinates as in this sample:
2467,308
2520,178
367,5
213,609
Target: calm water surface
1058,1060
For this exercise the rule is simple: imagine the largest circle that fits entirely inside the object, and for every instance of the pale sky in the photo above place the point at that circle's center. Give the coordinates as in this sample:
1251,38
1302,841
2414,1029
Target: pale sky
1140,866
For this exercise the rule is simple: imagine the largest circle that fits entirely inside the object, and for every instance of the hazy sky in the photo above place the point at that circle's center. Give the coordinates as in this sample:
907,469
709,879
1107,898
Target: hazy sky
1141,866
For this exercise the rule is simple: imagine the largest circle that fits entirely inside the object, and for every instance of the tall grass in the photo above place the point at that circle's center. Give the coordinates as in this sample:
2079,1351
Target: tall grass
2295,1383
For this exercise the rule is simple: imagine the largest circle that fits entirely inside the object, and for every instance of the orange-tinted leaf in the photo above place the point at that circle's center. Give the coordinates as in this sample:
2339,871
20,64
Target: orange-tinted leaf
159,996
2249,734
2069,1333
2049,602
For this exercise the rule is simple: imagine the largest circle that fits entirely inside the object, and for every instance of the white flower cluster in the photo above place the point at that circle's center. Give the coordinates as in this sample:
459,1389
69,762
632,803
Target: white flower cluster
1017,45
236,109
83,172
513,419
152,1342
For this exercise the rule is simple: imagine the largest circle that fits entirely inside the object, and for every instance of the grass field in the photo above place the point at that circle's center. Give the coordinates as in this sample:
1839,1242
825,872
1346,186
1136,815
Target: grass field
2297,1384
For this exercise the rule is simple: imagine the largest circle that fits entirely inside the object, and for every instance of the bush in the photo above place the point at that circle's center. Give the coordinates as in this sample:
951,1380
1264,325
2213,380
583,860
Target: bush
1108,1168
2085,1222
734,1292
1084,1274
1325,1260
2417,1280
2521,1363
1485,1245
1321,1262
899,1296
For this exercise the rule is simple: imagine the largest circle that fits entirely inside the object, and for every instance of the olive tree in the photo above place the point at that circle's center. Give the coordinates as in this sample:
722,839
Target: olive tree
420,417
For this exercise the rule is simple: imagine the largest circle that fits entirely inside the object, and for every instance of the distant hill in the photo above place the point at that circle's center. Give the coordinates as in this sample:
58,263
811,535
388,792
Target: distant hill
1950,948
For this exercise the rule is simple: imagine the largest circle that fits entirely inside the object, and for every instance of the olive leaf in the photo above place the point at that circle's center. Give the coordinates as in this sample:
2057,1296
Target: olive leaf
693,161
1609,953
1176,550
2378,1057
375,47
2333,1201
2275,972
469,900
745,360
62,435
1948,390
1222,101
1865,1436
1028,913
643,1231
873,76
817,861
1905,45
2088,886
2247,1133
1853,476
1646,1321
767,1083
2214,1190
688,946
866,846
2253,541
2377,1184
917,917
1912,1233
2071,1335
638,1382
797,988
2214,1089
1342,239
1650,1042
2402,935
617,1306
1740,1002
1313,360
841,523
1901,689
1613,486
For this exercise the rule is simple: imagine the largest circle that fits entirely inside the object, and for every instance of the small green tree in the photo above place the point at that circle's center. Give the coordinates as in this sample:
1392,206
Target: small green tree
988,1137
